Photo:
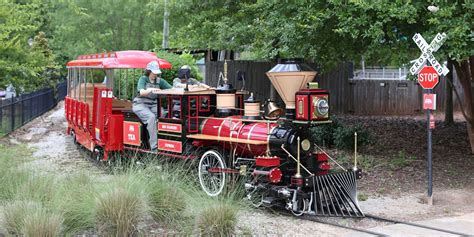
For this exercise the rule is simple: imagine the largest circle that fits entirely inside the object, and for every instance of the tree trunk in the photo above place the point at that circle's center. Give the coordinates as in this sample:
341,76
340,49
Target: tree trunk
465,71
448,112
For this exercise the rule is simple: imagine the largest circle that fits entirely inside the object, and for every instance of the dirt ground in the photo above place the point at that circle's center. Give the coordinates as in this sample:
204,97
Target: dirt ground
393,186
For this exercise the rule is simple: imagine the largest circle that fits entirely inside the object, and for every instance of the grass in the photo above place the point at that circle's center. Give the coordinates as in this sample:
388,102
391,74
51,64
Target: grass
217,220
400,161
118,212
168,193
362,197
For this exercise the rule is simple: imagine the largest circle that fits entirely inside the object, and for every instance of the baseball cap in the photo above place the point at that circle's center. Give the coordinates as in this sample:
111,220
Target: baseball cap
154,67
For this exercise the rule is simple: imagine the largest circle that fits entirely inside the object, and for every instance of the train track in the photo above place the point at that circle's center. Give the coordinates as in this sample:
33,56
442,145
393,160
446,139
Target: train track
383,219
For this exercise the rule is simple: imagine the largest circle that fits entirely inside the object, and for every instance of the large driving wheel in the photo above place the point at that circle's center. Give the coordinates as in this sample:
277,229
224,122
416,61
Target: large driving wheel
211,173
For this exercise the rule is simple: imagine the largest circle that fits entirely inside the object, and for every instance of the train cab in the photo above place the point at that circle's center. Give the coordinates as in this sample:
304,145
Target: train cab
179,113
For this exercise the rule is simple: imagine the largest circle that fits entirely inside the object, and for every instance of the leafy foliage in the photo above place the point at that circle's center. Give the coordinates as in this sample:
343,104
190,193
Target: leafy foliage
340,135
26,68
344,136
177,61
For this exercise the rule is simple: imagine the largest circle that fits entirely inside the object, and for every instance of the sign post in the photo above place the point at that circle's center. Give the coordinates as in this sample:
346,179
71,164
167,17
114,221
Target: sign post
428,78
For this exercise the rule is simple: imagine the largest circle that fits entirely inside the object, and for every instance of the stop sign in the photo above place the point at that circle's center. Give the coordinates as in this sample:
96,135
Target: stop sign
428,77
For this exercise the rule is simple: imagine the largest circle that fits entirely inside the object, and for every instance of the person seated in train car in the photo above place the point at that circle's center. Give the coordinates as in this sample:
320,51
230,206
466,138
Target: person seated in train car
184,74
145,104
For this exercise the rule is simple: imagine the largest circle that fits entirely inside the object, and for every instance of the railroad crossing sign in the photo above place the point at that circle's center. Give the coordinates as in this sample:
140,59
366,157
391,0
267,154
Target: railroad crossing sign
427,54
428,77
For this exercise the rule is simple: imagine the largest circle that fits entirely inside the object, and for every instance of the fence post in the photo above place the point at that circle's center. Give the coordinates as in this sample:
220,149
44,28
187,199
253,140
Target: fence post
22,111
12,107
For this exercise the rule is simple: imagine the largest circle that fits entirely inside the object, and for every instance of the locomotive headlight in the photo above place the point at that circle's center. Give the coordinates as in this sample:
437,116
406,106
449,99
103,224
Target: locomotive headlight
321,106
305,145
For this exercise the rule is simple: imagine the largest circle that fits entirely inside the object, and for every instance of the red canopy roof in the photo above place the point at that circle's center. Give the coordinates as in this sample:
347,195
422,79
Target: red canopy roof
119,59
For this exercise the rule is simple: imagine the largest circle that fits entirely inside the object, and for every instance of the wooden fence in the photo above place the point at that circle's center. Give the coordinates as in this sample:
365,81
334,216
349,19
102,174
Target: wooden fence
361,97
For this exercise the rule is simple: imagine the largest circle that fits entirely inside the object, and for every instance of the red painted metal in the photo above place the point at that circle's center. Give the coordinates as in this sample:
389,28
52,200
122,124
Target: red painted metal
296,181
169,145
321,157
234,128
428,77
264,161
119,59
222,170
170,127
131,133
114,133
302,111
275,175
239,103
323,166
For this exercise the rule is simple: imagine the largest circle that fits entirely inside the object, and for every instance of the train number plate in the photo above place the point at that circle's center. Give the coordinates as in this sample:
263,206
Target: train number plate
131,133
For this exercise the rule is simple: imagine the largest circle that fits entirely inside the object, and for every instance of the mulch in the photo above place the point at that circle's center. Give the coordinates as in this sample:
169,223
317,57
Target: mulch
399,152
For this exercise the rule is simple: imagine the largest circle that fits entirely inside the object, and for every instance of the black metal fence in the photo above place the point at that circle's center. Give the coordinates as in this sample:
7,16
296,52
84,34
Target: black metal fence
17,111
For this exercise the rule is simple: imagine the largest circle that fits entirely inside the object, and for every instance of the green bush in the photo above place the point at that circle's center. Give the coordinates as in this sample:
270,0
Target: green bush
177,61
323,134
344,136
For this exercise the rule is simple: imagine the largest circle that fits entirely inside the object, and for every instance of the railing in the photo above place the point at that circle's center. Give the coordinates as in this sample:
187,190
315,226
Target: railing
383,73
17,111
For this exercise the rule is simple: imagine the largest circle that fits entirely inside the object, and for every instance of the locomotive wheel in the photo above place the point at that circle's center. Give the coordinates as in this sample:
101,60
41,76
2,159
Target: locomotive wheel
211,182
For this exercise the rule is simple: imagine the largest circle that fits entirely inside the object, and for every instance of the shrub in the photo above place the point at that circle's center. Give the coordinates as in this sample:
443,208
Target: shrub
118,212
218,220
344,136
42,223
323,134
177,61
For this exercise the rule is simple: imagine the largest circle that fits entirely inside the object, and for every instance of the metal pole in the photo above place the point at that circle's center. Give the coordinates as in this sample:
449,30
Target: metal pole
430,177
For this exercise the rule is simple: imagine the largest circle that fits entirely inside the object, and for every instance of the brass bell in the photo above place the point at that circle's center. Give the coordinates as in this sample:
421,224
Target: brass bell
272,111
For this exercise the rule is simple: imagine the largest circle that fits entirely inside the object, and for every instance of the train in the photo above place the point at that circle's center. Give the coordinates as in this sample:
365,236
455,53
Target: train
227,131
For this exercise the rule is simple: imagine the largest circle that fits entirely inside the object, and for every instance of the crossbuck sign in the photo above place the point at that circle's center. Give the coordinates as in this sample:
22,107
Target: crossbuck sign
427,54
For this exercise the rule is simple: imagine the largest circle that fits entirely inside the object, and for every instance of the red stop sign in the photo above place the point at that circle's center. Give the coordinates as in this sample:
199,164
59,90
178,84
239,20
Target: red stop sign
428,77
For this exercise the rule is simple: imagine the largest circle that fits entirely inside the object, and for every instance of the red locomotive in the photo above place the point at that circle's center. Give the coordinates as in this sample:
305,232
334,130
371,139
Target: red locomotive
221,128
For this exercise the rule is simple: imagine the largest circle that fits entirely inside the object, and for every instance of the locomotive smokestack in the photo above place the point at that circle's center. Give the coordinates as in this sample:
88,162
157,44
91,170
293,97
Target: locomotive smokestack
288,77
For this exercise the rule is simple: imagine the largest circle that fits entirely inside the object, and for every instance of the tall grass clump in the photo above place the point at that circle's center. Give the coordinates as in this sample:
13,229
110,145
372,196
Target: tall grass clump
37,187
44,223
118,212
75,199
14,215
122,204
27,218
11,176
217,220
168,205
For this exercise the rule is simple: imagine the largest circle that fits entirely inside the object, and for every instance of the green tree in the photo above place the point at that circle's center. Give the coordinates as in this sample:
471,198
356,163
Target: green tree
330,31
23,66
